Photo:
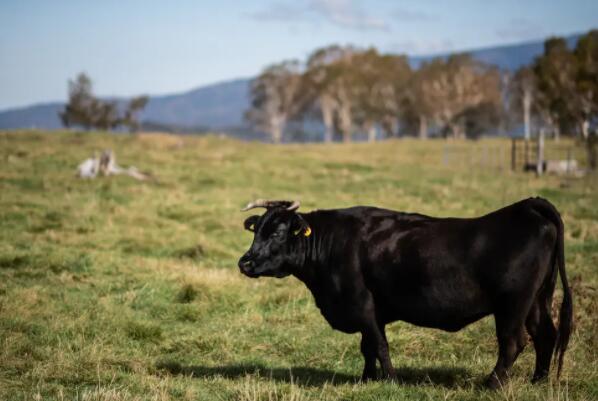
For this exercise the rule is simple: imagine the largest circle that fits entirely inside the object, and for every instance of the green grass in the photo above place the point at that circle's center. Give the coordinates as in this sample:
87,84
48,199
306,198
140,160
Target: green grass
115,289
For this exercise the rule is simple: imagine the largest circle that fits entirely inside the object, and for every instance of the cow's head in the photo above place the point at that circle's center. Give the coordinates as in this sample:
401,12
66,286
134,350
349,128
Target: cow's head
273,252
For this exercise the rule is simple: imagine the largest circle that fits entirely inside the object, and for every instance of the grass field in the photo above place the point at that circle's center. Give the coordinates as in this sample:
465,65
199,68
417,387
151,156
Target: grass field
115,289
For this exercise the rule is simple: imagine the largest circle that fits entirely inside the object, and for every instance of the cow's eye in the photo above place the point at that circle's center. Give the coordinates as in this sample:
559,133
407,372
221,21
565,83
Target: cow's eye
275,234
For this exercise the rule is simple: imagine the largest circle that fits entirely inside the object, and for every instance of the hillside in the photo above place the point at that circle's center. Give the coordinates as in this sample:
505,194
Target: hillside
221,106
217,107
507,57
39,116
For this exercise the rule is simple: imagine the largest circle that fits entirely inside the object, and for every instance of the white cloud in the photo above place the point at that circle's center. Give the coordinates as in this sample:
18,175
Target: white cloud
347,14
408,15
421,47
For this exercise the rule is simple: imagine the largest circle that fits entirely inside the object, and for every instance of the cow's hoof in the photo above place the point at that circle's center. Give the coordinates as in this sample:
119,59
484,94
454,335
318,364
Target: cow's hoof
539,378
368,376
493,383
391,376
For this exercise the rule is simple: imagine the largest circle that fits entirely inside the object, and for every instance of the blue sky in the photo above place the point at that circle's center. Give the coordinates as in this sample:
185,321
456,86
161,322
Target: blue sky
131,47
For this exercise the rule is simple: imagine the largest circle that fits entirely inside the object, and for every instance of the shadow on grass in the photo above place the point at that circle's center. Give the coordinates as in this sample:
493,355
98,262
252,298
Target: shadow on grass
307,376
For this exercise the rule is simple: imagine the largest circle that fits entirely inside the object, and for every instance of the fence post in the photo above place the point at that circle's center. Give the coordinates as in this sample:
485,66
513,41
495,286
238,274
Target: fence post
513,154
540,155
568,160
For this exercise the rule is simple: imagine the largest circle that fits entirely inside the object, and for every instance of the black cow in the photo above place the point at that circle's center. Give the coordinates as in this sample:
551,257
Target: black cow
367,267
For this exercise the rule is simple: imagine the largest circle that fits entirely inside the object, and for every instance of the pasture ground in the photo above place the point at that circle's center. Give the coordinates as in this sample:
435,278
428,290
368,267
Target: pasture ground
114,289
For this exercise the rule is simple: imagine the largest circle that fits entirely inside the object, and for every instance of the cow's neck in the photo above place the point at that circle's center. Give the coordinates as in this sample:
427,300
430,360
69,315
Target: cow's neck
313,254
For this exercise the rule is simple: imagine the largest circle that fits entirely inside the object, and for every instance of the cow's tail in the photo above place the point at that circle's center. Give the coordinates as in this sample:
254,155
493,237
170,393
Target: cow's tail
548,210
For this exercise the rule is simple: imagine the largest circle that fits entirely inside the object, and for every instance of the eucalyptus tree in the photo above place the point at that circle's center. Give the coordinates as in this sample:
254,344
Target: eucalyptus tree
85,110
568,83
451,87
419,105
555,72
523,90
330,79
81,106
381,87
132,111
275,98
586,81
586,54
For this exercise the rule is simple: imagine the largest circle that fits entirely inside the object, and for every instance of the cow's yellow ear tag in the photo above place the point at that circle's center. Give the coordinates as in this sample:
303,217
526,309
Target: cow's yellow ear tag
307,231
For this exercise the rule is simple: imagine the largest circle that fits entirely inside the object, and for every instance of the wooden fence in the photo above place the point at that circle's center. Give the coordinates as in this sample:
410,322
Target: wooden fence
515,155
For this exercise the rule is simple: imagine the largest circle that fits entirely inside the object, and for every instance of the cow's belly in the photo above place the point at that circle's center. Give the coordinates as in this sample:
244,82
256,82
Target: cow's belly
443,306
448,319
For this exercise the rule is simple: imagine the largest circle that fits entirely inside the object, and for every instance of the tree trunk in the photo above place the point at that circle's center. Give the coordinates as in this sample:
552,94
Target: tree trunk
345,122
390,126
423,127
557,133
327,118
371,133
276,128
455,130
345,117
276,134
394,127
585,129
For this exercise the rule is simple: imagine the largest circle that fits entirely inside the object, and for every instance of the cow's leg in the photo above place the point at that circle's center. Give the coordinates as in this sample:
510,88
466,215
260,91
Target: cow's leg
541,328
368,349
384,355
512,339
377,340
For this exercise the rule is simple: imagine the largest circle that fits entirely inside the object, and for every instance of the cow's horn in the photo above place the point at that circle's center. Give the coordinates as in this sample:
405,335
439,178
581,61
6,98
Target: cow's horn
294,206
254,204
288,205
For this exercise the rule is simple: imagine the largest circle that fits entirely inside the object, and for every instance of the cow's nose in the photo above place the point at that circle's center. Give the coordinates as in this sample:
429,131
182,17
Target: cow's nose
246,264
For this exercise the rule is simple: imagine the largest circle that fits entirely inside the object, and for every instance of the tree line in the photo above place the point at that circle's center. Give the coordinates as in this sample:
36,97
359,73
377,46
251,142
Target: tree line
85,110
361,91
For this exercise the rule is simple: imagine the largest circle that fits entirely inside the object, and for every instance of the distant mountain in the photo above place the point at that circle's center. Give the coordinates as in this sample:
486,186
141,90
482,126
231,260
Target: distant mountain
215,106
221,106
507,57
218,107
40,116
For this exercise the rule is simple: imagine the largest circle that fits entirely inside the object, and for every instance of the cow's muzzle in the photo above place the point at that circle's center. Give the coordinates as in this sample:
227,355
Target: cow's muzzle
247,266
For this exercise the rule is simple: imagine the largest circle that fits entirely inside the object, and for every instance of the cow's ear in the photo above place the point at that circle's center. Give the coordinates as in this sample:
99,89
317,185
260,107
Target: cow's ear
300,226
250,223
